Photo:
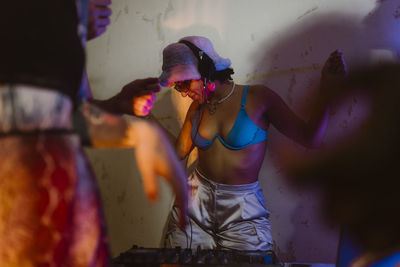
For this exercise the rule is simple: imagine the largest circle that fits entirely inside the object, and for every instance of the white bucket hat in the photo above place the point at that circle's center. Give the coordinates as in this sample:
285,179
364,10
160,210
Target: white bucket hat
179,62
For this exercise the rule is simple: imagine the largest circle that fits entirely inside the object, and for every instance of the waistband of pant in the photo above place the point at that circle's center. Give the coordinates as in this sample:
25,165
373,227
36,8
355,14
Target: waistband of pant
28,109
238,188
38,132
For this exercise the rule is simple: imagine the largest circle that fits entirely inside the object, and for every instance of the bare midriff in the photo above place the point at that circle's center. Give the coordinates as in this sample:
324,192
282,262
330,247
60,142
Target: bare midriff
234,167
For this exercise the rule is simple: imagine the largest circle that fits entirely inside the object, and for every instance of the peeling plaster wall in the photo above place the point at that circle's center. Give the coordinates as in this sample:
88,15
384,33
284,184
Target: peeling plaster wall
280,43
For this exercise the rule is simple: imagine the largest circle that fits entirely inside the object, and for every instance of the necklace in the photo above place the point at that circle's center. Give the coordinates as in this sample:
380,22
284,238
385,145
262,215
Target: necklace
212,107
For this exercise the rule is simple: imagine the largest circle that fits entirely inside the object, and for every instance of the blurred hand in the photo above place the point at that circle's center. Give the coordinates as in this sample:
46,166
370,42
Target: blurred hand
155,156
334,70
137,97
143,104
99,18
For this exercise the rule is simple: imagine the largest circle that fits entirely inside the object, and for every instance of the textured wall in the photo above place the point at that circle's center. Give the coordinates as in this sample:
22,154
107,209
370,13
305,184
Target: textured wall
281,43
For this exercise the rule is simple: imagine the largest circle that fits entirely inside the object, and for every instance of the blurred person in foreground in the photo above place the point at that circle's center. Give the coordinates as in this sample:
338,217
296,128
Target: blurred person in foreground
50,209
359,177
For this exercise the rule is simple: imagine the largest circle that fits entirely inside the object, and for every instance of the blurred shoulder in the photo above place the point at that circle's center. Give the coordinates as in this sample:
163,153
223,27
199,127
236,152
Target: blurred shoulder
192,108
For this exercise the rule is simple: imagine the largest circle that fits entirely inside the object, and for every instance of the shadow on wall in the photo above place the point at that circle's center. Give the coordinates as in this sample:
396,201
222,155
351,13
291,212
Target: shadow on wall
291,65
383,24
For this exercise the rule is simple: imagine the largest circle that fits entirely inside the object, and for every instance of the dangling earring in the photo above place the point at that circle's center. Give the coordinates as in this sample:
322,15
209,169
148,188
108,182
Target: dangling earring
205,91
208,87
211,87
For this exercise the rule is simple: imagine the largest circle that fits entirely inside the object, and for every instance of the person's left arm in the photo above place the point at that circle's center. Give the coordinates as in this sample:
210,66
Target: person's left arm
308,133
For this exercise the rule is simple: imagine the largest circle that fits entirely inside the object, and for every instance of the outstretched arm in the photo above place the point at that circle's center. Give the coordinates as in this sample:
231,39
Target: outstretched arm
154,154
135,98
310,133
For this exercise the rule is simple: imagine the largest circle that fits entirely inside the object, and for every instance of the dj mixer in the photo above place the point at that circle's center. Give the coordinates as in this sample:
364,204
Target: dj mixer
137,256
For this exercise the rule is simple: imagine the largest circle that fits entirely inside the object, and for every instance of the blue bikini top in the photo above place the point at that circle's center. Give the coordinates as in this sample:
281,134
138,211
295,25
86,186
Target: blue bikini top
243,133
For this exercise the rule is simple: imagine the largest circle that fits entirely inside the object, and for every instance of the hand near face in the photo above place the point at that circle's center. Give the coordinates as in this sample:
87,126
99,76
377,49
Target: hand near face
137,97
143,104
99,18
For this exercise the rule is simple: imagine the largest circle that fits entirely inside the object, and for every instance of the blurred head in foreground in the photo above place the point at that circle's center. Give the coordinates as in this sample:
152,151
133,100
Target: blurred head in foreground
360,178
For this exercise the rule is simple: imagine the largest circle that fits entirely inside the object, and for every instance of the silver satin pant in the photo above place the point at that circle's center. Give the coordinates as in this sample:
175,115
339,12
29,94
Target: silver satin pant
222,216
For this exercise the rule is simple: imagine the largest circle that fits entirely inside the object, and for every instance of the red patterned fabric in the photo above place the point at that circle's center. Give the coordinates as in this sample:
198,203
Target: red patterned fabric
50,210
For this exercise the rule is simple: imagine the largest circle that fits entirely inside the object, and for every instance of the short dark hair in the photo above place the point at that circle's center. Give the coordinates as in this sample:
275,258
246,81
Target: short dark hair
223,75
206,66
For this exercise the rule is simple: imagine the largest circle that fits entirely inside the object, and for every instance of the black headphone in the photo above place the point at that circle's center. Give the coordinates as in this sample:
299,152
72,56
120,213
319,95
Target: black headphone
206,65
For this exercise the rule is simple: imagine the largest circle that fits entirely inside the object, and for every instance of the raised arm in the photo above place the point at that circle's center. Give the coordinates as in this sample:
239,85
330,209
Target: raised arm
310,133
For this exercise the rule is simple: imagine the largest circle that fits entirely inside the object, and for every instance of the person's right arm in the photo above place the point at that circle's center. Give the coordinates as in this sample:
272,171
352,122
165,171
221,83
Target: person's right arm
184,144
311,132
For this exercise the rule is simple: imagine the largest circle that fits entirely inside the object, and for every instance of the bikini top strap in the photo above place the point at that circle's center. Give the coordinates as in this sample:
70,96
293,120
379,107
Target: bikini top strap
196,114
244,94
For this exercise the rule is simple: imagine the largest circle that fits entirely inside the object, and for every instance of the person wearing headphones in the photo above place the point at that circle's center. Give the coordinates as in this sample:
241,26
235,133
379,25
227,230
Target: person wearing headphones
228,123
